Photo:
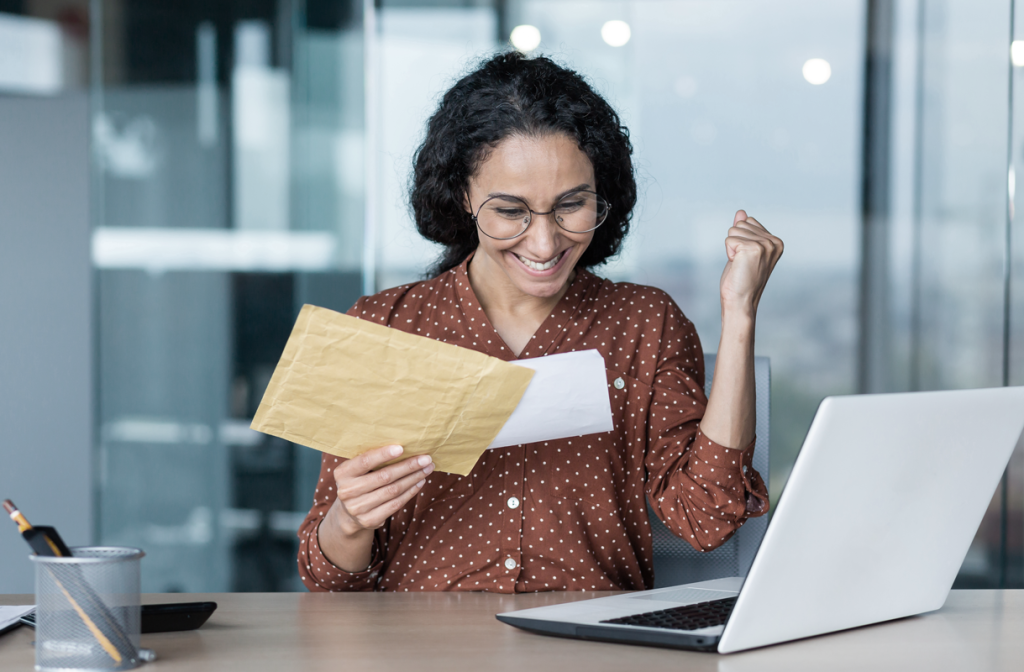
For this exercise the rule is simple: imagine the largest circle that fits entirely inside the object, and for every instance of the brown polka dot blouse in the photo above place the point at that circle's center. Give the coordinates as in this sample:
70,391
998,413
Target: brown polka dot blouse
569,514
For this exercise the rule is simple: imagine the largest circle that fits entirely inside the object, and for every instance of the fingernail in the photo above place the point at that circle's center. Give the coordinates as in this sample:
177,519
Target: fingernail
420,484
424,460
427,469
395,450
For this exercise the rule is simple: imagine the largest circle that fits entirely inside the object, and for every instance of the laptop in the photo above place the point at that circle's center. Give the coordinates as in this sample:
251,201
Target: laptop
879,511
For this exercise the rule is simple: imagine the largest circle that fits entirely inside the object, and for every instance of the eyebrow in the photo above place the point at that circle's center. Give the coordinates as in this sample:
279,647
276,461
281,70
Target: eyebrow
578,187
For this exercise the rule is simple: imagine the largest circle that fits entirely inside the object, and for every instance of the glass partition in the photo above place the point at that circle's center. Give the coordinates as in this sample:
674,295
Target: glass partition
944,302
958,315
421,49
228,155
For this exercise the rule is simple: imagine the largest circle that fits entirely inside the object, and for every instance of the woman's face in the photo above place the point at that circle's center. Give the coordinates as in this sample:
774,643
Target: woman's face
540,171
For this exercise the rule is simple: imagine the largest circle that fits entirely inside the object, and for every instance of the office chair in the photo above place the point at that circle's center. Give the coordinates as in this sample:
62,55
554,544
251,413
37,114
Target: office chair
675,560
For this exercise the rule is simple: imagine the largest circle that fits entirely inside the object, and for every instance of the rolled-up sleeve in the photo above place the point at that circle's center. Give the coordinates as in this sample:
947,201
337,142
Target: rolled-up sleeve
700,489
317,572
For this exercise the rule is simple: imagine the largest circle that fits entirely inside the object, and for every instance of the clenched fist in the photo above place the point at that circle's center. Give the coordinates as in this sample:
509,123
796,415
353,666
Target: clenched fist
752,254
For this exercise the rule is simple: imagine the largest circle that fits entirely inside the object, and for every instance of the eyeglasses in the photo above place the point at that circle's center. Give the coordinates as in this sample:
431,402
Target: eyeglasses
507,217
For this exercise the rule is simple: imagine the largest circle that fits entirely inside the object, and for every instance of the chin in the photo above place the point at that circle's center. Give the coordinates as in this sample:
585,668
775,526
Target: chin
541,290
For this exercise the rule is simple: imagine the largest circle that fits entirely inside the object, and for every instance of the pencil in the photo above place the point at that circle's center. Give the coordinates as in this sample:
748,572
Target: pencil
16,516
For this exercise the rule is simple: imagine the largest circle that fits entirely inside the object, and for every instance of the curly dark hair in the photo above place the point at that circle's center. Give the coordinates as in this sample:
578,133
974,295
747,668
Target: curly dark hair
512,94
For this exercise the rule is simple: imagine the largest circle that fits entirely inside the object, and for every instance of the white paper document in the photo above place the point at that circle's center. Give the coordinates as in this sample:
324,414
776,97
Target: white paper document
567,397
9,615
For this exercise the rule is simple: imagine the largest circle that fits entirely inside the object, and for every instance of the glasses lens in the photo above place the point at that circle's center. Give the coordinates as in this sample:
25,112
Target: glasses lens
503,217
581,211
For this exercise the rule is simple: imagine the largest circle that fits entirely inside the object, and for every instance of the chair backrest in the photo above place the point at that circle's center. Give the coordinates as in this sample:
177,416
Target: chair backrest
675,561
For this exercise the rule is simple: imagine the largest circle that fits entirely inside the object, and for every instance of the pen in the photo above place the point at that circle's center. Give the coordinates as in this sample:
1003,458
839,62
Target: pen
46,542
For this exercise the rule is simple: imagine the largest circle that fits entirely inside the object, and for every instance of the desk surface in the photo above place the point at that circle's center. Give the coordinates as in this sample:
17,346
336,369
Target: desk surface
976,630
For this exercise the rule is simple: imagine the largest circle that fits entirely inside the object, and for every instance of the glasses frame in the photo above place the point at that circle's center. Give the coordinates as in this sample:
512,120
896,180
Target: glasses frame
533,212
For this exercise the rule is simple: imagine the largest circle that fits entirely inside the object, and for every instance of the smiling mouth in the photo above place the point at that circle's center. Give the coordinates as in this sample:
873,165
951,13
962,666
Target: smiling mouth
547,265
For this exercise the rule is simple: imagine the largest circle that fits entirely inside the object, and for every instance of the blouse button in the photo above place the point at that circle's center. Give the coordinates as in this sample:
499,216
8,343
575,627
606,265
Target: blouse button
513,503
510,564
619,383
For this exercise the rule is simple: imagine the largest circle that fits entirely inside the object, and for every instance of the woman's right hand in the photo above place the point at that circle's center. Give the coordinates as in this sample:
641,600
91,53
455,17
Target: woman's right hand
365,500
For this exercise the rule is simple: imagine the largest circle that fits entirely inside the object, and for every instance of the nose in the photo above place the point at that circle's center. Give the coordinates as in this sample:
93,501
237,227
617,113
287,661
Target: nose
544,236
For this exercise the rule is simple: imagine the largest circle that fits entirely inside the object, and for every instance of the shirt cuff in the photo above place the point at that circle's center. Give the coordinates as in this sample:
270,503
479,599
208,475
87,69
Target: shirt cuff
735,462
331,577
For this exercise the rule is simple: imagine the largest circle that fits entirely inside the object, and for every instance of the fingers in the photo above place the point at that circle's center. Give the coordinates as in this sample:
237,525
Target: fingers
735,233
740,244
750,224
369,460
739,217
392,488
374,518
750,229
767,250
365,509
364,494
354,482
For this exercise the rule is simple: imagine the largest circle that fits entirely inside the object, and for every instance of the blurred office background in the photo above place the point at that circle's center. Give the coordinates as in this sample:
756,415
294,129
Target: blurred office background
178,178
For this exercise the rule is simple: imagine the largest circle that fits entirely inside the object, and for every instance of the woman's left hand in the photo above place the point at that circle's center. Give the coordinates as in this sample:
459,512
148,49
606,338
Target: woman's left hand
752,254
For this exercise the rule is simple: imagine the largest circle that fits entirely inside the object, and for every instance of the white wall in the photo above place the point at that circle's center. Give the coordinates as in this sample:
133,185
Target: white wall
46,345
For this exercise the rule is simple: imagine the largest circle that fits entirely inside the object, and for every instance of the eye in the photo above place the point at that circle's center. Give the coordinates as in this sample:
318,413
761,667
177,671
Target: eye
511,213
570,205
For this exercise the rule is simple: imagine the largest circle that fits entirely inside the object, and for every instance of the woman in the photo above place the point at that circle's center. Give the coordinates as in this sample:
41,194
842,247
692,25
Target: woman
525,178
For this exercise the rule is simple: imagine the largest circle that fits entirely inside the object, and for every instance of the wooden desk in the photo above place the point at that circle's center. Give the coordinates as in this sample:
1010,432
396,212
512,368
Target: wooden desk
976,630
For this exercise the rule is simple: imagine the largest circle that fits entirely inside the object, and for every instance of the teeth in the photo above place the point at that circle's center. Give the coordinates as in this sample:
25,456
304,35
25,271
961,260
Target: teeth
539,267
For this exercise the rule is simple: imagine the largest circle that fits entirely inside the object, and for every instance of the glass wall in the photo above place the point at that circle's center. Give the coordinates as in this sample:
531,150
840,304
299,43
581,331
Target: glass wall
941,305
252,158
958,316
229,163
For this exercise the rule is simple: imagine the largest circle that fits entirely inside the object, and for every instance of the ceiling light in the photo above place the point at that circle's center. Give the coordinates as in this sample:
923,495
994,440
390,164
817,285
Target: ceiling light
616,33
1017,53
817,71
525,38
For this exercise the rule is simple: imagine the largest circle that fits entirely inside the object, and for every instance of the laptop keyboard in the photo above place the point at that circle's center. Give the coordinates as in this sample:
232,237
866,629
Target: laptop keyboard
688,617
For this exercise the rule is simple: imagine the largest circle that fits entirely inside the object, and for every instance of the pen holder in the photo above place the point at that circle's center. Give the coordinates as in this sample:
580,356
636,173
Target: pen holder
88,609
